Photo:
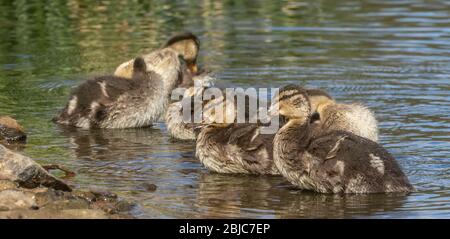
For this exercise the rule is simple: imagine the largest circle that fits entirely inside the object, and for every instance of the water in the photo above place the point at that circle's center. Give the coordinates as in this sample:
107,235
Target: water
392,56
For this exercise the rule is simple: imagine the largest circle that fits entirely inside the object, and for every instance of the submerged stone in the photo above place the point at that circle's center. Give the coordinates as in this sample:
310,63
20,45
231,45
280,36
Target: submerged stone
150,187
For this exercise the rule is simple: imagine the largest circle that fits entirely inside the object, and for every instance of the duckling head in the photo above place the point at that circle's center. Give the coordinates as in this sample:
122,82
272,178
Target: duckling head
291,102
318,99
187,45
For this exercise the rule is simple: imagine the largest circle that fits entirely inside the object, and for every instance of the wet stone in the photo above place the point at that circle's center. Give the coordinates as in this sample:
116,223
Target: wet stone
28,191
124,206
6,184
14,199
89,196
150,187
101,195
55,214
68,204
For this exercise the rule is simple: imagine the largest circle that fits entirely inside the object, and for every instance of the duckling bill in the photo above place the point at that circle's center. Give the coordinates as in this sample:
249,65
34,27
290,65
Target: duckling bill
331,161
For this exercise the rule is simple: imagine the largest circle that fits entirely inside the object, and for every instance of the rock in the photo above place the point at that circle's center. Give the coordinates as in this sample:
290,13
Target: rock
26,172
6,184
27,190
11,131
14,199
102,195
124,206
89,196
50,203
44,196
150,187
54,214
67,204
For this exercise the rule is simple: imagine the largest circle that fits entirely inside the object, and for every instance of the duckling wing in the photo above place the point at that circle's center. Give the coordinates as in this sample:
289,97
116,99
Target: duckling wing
103,90
89,101
241,133
255,148
360,165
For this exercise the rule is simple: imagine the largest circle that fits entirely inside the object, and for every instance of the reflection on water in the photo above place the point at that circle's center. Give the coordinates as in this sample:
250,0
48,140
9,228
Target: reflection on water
393,56
271,197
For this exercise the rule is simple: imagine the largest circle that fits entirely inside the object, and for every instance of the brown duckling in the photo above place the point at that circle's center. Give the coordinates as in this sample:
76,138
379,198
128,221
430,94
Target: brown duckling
235,148
332,162
11,131
177,126
112,102
179,129
230,147
184,44
354,118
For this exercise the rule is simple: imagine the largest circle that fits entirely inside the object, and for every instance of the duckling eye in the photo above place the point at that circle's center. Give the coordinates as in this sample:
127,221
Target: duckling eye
314,117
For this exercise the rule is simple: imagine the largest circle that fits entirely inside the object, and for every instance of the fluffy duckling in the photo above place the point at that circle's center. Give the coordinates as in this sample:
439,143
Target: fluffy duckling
177,126
230,147
333,162
354,118
179,129
236,148
185,45
11,131
112,102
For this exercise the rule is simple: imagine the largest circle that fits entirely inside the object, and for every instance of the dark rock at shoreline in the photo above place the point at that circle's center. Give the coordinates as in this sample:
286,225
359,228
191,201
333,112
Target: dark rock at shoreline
44,202
27,190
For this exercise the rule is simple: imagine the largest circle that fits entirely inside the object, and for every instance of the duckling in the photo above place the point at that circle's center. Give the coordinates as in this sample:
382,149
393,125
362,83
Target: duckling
11,131
354,118
231,147
332,162
235,148
177,127
185,45
112,102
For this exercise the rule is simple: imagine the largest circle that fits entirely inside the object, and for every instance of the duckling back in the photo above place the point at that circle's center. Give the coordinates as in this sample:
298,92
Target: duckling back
342,162
114,102
236,148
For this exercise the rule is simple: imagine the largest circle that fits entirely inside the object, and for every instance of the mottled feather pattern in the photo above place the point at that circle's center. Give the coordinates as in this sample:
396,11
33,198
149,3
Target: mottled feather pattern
354,168
175,125
236,149
354,118
116,102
